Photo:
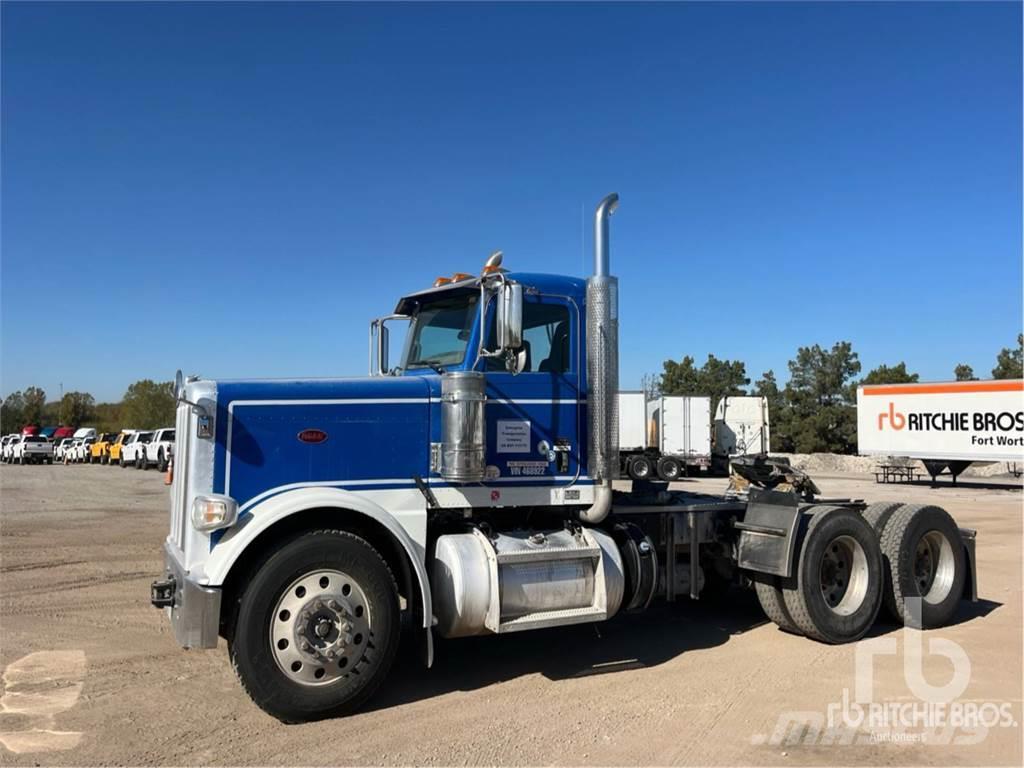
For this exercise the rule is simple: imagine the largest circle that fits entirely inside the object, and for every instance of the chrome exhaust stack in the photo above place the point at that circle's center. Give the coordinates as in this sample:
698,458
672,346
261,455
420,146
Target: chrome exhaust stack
602,367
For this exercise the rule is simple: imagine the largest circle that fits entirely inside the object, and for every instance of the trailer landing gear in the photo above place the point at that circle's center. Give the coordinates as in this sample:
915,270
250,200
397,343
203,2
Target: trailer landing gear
937,467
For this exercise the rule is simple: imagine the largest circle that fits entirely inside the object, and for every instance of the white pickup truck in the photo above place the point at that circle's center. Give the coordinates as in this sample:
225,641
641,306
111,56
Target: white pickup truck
159,449
134,449
33,449
7,447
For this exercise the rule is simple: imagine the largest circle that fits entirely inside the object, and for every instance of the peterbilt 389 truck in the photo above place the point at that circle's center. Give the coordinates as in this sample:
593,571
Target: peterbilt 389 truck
468,490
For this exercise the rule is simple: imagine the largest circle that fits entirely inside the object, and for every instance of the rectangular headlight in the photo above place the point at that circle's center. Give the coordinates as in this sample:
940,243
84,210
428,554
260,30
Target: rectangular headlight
213,511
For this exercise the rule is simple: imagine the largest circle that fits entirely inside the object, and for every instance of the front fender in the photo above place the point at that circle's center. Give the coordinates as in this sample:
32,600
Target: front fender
410,532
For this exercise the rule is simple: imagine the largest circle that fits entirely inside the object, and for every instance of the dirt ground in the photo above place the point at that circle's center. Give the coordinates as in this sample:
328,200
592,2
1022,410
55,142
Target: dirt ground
93,676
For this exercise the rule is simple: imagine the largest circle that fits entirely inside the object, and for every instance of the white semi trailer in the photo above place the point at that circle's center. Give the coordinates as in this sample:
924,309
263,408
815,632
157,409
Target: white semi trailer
741,428
947,425
664,437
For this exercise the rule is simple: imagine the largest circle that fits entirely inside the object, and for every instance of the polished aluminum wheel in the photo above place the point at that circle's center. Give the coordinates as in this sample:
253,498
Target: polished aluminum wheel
934,567
321,627
843,575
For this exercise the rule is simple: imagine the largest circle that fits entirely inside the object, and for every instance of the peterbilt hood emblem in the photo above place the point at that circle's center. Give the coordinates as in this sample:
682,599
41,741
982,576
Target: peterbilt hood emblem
312,436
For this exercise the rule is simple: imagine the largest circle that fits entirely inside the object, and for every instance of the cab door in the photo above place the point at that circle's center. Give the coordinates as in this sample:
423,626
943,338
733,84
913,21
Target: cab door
534,418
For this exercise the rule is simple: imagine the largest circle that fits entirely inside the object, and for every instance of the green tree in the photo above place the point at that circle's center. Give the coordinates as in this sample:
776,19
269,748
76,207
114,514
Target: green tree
35,402
12,413
148,404
76,408
964,372
821,394
1010,362
107,417
716,378
885,374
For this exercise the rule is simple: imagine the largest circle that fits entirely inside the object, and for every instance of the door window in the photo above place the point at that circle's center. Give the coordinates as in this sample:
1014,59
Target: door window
546,332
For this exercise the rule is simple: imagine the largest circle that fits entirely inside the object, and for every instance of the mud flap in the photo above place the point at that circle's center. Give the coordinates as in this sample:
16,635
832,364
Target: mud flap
768,532
969,535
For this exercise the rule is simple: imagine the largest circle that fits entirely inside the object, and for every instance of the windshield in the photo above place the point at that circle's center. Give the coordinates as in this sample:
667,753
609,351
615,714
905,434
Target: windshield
440,332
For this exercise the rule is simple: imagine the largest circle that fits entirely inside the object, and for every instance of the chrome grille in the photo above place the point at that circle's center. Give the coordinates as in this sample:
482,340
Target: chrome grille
183,436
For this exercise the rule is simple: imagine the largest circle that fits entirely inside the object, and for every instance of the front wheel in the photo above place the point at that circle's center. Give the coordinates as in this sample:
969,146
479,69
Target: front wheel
161,462
317,627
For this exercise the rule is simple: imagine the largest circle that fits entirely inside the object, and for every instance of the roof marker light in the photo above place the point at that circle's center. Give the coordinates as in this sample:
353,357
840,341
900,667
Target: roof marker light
441,281
460,276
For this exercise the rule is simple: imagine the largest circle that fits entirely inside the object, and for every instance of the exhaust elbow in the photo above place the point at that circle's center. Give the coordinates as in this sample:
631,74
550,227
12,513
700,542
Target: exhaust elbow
602,505
604,211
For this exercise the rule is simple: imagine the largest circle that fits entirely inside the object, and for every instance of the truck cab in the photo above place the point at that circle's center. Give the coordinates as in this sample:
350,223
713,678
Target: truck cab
467,483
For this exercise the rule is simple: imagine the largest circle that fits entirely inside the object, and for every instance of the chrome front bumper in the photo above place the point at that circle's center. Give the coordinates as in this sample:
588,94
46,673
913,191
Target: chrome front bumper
194,610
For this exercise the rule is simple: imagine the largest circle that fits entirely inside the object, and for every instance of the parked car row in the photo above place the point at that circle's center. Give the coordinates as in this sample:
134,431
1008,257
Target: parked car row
141,449
26,449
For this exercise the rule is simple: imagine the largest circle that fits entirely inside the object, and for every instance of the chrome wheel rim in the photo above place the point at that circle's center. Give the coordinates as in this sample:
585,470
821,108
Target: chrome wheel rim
934,567
320,629
843,575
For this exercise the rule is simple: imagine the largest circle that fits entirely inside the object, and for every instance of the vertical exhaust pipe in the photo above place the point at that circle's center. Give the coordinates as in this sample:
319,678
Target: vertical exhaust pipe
602,367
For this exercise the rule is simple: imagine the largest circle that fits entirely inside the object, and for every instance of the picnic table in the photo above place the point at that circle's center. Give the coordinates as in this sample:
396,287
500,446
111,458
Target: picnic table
897,473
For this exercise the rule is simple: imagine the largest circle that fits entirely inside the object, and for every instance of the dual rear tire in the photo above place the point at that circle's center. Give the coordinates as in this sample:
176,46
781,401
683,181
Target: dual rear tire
910,558
644,467
835,592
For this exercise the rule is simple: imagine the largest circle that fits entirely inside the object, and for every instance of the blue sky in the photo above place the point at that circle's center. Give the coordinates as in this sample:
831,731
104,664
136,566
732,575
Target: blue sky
238,189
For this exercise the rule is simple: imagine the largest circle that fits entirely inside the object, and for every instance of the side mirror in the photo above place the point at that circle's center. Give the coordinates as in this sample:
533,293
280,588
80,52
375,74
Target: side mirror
510,317
179,395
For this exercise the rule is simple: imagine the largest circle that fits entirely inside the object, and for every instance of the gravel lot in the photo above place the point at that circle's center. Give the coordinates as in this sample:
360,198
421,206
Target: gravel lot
702,683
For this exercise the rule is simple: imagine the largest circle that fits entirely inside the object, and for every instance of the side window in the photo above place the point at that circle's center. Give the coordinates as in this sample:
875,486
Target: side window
546,332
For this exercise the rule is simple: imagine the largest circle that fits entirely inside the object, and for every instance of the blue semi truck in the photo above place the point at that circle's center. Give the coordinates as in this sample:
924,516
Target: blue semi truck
468,489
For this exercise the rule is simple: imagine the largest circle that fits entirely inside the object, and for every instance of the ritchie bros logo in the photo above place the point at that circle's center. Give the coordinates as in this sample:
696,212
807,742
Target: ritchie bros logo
955,421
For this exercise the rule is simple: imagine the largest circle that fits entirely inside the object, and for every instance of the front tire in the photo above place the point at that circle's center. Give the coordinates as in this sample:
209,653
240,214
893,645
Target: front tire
317,627
161,461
